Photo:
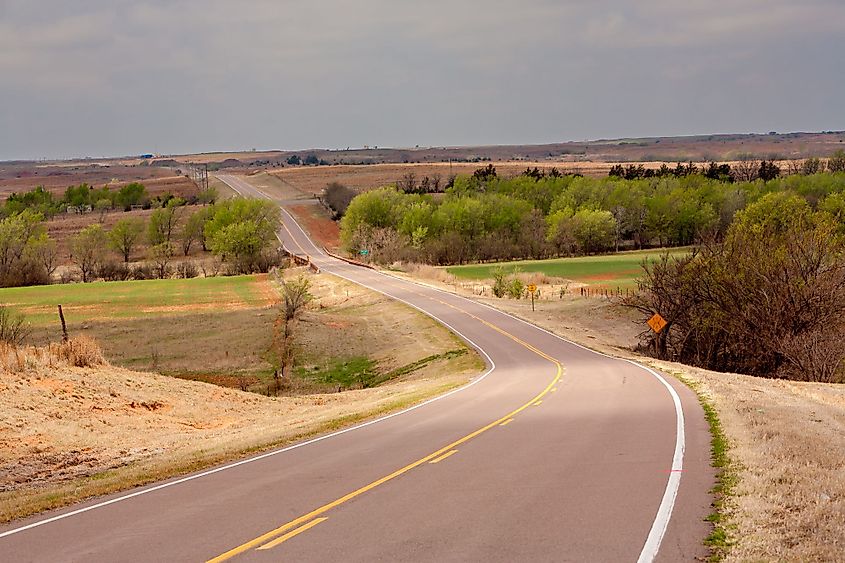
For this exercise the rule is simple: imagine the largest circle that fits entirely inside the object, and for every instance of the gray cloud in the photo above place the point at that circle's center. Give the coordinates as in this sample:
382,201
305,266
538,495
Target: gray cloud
107,77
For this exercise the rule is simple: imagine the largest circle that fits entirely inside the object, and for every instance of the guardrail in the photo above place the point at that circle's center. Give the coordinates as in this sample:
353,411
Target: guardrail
301,261
348,260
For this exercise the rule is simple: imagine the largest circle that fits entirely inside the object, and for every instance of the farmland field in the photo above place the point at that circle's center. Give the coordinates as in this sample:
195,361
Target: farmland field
203,328
610,270
103,301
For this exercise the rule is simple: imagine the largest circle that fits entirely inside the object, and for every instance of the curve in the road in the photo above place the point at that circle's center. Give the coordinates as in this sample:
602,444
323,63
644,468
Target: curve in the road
520,464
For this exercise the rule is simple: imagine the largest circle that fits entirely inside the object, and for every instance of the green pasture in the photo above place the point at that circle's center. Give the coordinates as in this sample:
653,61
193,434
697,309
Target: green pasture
609,270
131,299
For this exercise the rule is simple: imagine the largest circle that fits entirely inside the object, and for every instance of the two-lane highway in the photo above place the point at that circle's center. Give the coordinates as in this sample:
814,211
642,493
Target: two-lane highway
556,453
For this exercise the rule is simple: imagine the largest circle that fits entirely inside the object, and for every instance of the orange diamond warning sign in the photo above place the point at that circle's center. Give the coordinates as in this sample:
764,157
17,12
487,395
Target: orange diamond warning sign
657,323
532,288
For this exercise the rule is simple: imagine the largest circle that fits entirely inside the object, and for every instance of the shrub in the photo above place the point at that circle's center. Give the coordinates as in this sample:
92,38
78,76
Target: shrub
13,327
515,288
187,270
143,272
81,352
114,271
500,285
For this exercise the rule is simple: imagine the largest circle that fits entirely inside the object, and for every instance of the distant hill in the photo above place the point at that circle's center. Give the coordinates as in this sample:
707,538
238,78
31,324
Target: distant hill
723,147
778,146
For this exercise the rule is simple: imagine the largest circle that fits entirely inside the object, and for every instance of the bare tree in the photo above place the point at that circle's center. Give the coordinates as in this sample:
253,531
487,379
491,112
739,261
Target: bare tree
161,255
812,166
408,183
295,296
88,248
771,305
794,166
747,169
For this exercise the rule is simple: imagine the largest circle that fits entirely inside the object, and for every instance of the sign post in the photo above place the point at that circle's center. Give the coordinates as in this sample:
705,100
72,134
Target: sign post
532,289
657,323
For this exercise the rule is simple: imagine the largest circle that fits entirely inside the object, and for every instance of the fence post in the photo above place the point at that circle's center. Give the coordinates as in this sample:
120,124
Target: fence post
64,326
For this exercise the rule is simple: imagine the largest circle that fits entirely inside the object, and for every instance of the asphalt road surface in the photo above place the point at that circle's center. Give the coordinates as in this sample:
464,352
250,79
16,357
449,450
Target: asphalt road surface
555,453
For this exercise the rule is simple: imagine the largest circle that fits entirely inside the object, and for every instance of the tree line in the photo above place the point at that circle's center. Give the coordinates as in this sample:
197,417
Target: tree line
768,300
485,217
747,169
85,198
241,233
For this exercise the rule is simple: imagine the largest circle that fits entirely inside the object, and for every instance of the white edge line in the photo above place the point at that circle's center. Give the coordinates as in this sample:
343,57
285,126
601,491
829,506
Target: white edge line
667,503
478,379
670,494
268,454
664,512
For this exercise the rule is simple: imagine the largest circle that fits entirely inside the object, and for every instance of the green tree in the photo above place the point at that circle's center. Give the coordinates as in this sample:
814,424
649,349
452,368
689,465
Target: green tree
243,230
22,239
382,208
131,194
775,212
88,248
125,236
193,229
38,200
163,222
594,230
78,196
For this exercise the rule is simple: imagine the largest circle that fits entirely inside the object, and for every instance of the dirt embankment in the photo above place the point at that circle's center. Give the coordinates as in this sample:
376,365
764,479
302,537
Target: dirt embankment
787,439
72,432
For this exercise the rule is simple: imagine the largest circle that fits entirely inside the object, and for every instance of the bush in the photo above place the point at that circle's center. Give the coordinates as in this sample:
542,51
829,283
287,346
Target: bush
187,270
81,352
515,288
500,285
143,272
13,327
114,271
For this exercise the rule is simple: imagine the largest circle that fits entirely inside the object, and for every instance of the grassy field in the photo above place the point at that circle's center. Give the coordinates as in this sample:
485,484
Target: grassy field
610,270
211,329
220,330
135,299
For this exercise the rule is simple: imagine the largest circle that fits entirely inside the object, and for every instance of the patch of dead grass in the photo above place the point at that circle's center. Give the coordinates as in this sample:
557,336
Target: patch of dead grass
68,432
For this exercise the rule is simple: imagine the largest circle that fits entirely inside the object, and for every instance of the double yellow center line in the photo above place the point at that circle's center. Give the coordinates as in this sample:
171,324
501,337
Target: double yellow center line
307,521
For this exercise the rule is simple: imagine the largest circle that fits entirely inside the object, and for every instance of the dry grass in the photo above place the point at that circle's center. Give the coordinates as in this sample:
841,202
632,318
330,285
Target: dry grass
68,432
80,351
312,179
787,439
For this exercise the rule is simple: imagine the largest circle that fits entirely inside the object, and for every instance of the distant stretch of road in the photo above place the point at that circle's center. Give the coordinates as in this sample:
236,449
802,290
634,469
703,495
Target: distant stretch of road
555,453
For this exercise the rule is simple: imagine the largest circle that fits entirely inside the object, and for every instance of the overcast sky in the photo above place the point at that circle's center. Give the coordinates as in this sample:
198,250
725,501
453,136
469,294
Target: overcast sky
117,77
